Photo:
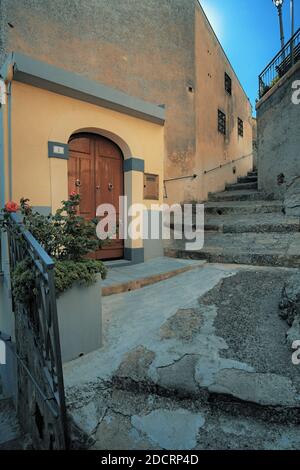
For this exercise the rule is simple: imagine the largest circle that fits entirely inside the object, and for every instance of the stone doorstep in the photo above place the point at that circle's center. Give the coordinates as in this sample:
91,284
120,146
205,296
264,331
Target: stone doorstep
146,281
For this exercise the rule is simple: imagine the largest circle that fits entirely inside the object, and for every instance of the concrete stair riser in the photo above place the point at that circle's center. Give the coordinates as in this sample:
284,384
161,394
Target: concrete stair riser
259,228
247,179
246,228
254,259
243,209
251,195
240,186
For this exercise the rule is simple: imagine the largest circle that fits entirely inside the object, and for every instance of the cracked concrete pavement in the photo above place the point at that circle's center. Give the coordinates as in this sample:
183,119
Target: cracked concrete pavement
188,340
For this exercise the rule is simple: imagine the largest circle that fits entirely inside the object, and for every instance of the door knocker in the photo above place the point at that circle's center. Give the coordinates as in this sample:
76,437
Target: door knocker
77,183
110,186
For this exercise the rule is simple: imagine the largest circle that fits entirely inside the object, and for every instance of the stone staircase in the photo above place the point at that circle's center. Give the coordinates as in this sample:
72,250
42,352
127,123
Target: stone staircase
245,226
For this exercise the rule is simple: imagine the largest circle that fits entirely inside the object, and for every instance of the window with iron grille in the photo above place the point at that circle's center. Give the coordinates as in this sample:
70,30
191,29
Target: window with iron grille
221,122
240,127
228,84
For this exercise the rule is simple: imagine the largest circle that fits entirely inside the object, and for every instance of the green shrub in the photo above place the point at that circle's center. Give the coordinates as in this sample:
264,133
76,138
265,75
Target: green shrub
68,238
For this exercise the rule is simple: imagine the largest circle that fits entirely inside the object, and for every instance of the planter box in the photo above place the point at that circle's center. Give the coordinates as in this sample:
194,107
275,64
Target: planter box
80,320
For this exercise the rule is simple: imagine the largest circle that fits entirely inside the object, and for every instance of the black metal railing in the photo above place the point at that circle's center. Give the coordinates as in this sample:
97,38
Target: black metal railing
41,320
280,65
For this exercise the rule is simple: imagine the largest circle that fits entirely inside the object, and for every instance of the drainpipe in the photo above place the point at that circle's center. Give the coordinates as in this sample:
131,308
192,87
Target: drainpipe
10,179
7,76
2,163
7,72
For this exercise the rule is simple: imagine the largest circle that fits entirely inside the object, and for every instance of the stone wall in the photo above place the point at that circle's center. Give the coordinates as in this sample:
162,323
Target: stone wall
147,49
278,120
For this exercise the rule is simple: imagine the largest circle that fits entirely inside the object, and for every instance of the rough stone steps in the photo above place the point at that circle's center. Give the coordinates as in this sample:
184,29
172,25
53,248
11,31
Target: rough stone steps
276,223
241,186
241,223
243,207
262,249
252,173
239,195
245,226
247,179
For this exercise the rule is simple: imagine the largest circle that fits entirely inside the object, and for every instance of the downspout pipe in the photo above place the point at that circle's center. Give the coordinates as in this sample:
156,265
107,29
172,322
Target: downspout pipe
9,124
6,74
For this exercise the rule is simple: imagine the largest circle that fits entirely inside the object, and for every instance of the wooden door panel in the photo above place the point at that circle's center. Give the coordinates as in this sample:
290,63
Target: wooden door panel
86,188
97,164
72,173
81,145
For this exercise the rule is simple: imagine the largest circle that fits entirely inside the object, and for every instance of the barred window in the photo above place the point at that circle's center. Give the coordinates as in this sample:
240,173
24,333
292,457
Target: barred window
221,122
228,84
240,127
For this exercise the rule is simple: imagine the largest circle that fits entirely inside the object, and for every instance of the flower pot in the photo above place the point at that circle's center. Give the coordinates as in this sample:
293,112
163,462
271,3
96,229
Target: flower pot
80,320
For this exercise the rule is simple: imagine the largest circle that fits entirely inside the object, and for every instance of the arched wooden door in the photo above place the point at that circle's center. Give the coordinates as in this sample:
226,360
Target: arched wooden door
95,171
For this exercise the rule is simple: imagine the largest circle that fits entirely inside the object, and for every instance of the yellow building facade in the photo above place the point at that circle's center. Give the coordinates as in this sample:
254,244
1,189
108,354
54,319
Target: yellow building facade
45,106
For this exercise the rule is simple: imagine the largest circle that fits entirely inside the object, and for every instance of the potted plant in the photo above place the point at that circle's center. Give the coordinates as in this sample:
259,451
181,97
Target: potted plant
69,239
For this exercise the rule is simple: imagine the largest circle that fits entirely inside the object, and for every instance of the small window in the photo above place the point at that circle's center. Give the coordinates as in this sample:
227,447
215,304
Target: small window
228,85
221,122
151,186
240,127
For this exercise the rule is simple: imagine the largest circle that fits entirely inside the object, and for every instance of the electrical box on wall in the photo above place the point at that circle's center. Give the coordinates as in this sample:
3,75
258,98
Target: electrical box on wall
151,186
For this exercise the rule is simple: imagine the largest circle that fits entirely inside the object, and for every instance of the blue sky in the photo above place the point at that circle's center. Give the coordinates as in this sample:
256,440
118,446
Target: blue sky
249,33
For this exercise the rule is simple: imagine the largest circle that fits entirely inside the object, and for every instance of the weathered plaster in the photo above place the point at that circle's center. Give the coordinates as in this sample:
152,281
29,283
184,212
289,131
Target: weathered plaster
278,121
153,50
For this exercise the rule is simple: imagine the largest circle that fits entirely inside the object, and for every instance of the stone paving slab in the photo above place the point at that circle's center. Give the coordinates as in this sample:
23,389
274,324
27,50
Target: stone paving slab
118,420
129,278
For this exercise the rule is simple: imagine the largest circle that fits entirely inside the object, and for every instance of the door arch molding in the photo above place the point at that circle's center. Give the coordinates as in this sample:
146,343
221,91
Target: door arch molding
126,151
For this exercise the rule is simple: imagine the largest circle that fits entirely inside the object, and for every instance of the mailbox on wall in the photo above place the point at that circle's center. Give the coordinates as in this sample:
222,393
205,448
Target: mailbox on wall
151,186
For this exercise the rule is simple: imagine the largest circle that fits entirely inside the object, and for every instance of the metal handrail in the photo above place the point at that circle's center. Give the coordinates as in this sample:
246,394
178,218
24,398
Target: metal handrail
227,163
22,244
280,64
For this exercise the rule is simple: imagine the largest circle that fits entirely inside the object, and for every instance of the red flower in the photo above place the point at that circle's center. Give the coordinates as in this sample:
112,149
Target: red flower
73,194
11,206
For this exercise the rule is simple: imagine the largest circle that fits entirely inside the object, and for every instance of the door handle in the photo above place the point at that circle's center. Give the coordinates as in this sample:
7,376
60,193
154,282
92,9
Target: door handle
110,186
78,183
97,187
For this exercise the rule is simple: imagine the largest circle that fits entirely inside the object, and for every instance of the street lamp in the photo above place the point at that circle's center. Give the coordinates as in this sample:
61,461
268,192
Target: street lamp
278,4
